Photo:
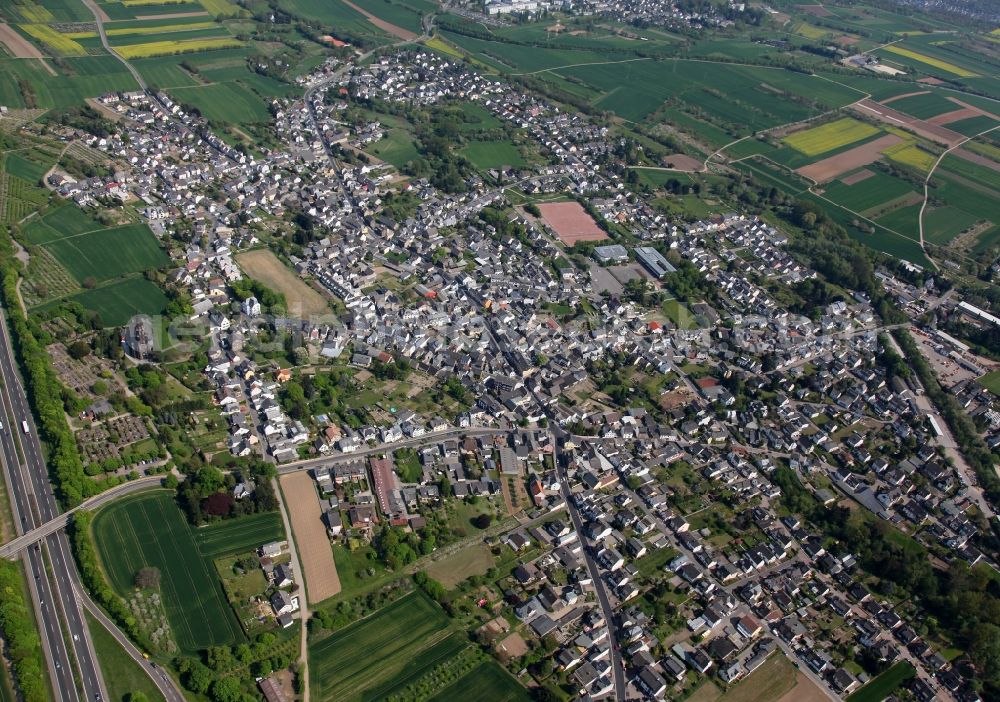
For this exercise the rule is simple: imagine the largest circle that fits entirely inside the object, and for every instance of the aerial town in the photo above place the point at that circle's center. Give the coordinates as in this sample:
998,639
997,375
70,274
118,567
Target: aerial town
536,430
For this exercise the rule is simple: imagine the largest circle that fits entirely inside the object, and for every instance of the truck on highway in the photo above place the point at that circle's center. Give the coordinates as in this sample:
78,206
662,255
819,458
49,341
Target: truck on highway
24,425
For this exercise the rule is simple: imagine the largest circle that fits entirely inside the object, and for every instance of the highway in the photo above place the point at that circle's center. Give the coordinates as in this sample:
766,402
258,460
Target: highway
56,589
13,547
50,582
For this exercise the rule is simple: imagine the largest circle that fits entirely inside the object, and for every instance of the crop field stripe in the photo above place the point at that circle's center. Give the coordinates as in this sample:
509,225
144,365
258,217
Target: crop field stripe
254,530
403,632
172,581
487,682
170,48
931,61
138,528
830,136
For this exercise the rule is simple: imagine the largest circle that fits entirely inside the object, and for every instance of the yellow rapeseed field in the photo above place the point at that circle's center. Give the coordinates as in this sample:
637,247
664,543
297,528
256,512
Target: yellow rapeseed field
830,136
140,3
442,46
33,12
931,61
809,31
61,44
139,31
909,154
169,48
221,7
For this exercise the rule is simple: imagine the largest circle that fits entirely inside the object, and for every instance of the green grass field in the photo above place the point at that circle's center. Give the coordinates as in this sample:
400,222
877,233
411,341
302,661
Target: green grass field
391,648
122,675
885,684
147,529
485,155
867,193
771,174
225,102
991,381
119,301
68,220
396,148
967,194
488,682
30,166
236,535
87,76
973,125
930,104
942,224
904,247
405,14
987,240
479,118
739,98
105,254
337,14
902,220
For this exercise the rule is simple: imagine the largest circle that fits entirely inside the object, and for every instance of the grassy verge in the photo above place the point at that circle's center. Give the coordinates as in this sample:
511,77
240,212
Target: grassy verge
122,675
20,632
885,684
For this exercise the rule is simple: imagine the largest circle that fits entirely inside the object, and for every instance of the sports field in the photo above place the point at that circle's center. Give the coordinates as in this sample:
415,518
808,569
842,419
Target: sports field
147,529
379,656
830,136
571,223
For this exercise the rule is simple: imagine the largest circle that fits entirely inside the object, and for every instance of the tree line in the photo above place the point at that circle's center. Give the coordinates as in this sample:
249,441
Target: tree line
45,393
23,645
975,450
